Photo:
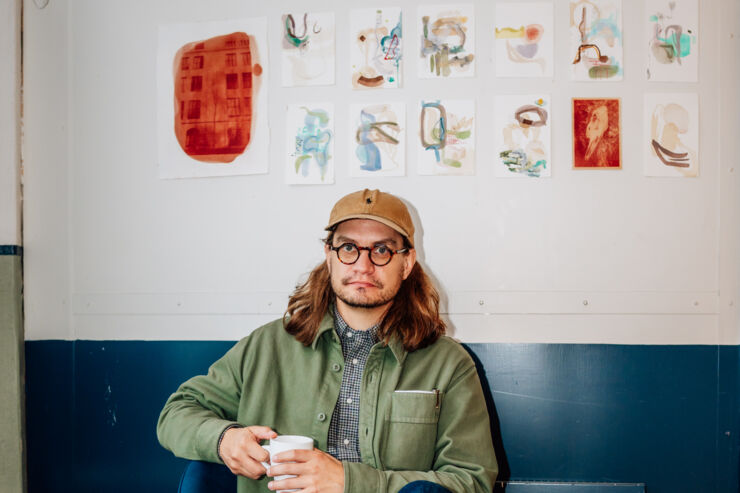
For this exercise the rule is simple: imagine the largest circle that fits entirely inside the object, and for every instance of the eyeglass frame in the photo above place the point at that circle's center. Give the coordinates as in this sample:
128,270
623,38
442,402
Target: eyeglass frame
369,252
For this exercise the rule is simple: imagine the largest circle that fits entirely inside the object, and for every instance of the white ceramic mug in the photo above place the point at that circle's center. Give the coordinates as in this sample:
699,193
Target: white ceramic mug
283,443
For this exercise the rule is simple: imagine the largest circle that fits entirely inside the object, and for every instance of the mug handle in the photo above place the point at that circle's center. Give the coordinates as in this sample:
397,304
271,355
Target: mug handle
266,465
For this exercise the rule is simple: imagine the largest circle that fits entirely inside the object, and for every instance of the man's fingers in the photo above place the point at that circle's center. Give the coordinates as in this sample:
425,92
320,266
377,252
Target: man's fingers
254,469
293,456
256,452
287,484
294,468
250,468
242,453
262,432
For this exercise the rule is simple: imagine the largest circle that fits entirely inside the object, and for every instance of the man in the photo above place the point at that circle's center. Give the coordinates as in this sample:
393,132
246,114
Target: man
359,363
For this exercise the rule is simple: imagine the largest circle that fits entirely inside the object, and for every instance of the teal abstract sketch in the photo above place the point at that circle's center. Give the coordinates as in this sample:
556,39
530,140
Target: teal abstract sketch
312,144
307,49
377,52
596,39
377,147
446,132
523,137
672,41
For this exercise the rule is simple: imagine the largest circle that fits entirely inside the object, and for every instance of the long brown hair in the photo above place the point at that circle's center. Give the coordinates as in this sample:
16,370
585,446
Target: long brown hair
413,316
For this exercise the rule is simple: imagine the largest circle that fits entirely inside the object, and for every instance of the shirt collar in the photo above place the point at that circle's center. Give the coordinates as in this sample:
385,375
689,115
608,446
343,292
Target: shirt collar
328,323
342,327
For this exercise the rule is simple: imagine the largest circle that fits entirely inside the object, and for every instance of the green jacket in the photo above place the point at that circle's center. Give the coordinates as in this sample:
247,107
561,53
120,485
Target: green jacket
440,433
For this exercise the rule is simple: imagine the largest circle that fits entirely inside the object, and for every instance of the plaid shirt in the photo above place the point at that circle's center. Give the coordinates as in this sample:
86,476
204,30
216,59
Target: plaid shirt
343,442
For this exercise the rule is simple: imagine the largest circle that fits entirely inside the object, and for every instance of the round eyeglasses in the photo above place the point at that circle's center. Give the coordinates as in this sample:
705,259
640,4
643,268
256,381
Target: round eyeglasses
380,255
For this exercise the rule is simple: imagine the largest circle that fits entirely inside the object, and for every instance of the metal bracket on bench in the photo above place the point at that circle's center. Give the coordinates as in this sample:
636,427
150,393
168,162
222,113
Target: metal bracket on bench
558,487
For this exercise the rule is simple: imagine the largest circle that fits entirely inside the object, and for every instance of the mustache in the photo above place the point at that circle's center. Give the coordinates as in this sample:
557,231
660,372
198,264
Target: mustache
348,280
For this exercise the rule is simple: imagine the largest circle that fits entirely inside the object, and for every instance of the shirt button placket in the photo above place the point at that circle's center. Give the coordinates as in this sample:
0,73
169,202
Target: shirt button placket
370,395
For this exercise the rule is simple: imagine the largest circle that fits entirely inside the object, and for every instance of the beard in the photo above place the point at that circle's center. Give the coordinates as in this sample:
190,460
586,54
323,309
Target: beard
360,298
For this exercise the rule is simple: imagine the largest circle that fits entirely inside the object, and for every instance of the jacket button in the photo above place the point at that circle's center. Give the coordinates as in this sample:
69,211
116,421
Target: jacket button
336,367
321,417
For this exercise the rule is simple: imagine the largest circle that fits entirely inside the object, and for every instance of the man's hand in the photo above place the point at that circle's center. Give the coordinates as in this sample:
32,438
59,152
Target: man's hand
241,451
316,471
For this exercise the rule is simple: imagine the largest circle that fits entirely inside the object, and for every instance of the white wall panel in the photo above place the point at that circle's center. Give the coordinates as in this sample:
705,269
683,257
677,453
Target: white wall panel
729,182
47,128
10,77
635,247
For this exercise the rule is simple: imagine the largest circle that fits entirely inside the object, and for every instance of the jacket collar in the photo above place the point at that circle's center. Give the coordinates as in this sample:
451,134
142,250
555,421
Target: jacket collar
397,349
327,324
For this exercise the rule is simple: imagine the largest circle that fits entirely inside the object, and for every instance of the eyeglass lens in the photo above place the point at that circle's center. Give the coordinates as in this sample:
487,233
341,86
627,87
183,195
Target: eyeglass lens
348,253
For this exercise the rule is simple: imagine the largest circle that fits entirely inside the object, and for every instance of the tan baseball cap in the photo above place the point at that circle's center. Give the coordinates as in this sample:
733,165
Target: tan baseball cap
376,205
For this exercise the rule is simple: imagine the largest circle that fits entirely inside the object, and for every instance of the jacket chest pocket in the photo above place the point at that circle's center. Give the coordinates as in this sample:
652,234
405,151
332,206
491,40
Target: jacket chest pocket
411,430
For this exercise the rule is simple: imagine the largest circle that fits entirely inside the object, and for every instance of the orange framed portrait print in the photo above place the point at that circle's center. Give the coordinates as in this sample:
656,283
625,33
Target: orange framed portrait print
597,133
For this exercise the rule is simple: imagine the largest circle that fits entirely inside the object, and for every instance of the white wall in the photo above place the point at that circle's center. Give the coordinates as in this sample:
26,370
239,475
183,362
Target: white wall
729,180
10,225
113,252
46,167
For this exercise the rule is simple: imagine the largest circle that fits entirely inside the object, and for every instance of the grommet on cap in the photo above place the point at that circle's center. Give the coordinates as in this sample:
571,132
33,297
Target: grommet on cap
369,200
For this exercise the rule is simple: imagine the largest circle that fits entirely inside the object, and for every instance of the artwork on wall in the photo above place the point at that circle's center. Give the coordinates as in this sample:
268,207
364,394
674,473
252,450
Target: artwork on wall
377,140
310,144
307,49
672,40
212,98
447,136
447,41
671,134
596,40
523,36
522,136
376,48
597,133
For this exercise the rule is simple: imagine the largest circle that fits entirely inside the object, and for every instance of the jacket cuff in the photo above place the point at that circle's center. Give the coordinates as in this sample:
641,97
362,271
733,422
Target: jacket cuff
208,438
221,437
361,478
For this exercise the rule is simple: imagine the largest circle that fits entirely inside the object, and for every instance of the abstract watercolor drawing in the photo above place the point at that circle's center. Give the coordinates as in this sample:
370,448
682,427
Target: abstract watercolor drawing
307,49
672,40
447,41
310,144
376,51
671,134
446,131
523,36
212,101
596,39
522,136
597,133
377,146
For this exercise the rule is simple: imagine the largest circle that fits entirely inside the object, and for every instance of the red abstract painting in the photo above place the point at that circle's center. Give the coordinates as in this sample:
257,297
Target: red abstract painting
597,133
214,90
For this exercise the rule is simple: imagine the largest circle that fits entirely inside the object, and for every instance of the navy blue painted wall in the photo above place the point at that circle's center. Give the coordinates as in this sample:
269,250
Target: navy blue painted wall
668,416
